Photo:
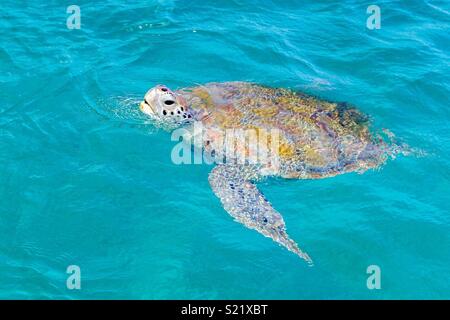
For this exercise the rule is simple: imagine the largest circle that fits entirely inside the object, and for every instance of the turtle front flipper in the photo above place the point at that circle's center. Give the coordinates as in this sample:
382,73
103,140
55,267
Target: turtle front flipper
247,205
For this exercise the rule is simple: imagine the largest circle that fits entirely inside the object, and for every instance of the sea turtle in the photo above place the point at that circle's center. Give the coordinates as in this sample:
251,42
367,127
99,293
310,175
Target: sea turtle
315,139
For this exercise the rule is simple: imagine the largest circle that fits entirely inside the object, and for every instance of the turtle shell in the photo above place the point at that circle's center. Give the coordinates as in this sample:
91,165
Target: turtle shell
318,138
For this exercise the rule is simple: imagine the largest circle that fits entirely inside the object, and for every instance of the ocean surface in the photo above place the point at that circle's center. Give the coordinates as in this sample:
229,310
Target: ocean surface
86,180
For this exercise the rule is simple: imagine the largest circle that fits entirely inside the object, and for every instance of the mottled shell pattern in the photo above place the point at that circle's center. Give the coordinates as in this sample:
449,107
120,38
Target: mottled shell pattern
318,138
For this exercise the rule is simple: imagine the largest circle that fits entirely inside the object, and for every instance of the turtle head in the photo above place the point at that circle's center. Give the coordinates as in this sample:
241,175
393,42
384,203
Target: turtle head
166,106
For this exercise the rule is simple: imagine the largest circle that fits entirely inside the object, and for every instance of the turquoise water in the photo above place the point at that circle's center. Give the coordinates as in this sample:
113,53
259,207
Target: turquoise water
85,180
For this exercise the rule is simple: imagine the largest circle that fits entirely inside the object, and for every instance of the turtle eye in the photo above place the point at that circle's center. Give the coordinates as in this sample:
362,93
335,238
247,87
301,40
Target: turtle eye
164,89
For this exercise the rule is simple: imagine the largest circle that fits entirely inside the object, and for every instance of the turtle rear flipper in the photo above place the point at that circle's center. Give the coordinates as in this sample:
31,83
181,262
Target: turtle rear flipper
247,205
